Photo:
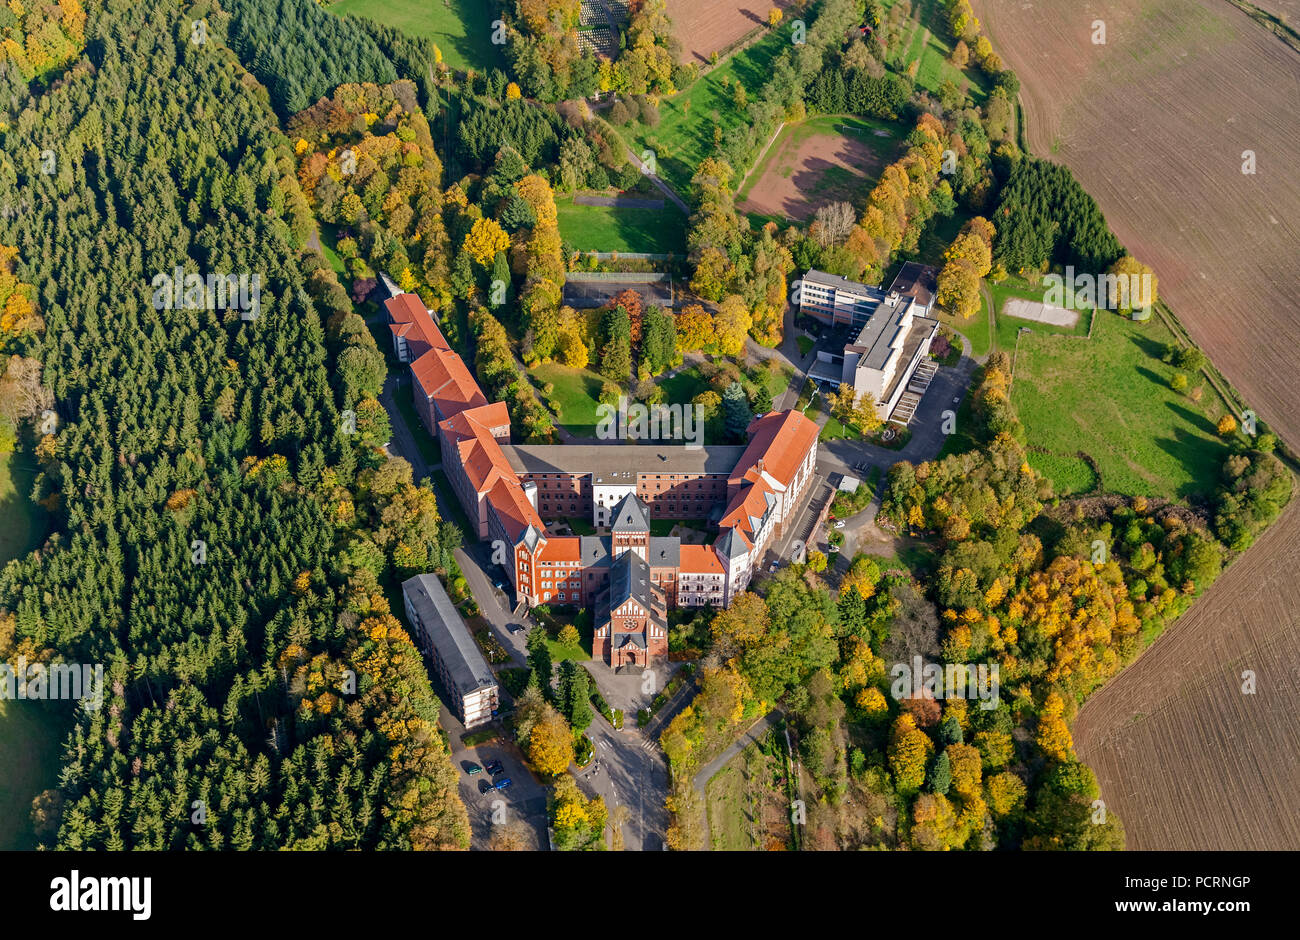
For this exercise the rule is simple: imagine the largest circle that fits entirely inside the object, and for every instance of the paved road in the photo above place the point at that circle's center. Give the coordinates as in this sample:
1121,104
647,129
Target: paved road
630,772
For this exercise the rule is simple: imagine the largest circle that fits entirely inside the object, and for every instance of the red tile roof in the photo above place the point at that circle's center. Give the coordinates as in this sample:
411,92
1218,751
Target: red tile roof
700,559
408,316
562,548
507,500
781,440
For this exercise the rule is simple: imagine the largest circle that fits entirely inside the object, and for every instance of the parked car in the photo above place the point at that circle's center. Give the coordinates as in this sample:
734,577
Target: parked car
495,767
502,784
473,769
514,627
834,549
485,786
839,523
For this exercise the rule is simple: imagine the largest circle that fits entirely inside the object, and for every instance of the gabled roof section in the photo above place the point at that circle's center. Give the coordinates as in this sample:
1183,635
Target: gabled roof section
629,580
631,514
595,550
778,443
565,548
409,317
516,514
701,559
664,551
443,377
731,544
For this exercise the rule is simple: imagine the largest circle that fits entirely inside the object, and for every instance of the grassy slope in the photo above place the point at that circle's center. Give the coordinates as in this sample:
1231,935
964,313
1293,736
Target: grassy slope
1110,397
684,136
462,29
30,732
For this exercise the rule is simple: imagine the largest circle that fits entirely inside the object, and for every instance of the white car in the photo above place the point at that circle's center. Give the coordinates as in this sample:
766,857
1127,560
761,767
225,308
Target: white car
839,523
834,549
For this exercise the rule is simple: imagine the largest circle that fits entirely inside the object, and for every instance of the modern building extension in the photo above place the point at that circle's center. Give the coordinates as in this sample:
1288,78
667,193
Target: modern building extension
889,335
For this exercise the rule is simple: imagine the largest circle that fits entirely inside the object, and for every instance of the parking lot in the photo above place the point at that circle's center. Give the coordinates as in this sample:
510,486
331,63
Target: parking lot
521,806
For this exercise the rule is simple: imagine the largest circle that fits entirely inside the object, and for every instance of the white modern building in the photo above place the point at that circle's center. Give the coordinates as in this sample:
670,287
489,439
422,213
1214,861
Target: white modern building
890,335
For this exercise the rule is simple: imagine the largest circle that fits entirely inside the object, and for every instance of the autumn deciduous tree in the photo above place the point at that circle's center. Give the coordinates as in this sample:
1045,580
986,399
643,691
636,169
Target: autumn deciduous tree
1053,734
1006,793
909,751
550,744
484,240
959,287
1132,285
694,328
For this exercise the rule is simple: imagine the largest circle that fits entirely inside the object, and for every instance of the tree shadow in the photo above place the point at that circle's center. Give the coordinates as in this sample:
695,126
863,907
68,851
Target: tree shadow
1193,418
1145,343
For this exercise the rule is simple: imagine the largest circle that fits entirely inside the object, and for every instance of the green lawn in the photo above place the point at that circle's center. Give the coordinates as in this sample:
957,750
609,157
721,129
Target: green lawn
662,528
806,343
606,228
1070,476
976,329
30,731
461,29
1110,398
684,136
934,67
680,388
576,391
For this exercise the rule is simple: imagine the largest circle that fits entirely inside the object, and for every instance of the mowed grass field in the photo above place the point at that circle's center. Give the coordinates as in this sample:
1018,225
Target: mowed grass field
617,228
30,732
684,136
1110,398
462,29
576,391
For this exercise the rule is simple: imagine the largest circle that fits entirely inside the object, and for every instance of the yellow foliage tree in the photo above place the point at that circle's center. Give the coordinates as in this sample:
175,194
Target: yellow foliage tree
485,240
550,745
909,749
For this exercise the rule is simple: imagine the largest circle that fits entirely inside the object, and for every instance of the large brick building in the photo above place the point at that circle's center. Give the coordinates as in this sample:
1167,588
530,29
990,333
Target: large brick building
629,577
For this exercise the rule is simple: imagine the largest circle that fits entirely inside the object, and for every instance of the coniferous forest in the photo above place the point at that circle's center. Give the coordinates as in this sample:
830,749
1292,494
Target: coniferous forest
223,534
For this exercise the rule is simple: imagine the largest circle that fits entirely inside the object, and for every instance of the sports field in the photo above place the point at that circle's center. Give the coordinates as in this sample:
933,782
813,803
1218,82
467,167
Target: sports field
829,158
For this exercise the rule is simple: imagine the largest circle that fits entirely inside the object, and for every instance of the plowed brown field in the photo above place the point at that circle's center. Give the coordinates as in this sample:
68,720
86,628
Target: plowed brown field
706,26
1154,124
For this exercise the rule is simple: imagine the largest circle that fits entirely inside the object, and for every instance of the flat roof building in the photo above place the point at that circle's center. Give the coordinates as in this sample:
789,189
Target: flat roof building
441,633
